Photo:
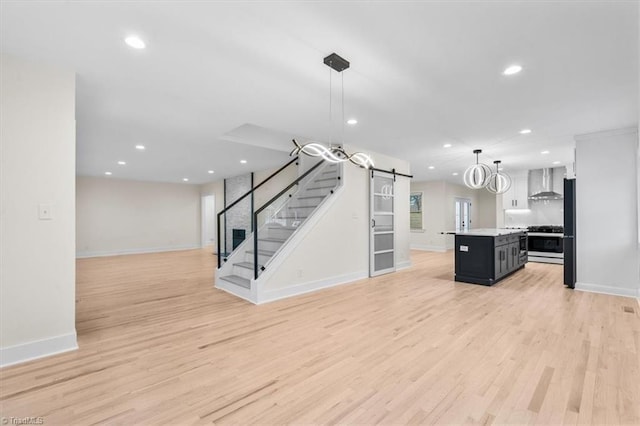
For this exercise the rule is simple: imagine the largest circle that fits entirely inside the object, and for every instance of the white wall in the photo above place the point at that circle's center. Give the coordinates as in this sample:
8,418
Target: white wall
439,212
216,189
335,249
433,219
607,216
117,216
540,212
275,185
486,210
263,194
37,257
454,191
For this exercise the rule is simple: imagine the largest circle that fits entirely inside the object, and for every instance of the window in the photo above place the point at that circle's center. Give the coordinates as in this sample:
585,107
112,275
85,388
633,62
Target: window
415,210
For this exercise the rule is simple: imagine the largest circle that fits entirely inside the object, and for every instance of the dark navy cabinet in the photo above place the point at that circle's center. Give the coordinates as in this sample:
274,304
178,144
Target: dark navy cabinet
487,258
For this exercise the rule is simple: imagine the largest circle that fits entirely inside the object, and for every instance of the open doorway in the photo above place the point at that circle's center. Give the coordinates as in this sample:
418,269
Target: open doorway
463,214
208,205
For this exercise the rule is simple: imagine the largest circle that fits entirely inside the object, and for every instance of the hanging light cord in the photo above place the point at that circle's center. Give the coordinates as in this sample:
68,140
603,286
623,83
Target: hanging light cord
330,111
342,76
334,153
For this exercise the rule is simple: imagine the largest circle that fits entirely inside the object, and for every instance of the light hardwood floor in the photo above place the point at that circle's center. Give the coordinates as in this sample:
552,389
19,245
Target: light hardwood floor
160,345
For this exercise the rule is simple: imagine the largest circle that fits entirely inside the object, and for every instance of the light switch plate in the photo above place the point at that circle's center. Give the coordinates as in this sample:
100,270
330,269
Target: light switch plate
44,212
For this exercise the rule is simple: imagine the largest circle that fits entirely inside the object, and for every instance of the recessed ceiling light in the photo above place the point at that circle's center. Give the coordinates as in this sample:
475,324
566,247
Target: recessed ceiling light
447,145
108,173
243,161
122,163
431,167
135,42
352,121
185,179
525,131
210,172
556,162
455,173
544,152
140,147
512,69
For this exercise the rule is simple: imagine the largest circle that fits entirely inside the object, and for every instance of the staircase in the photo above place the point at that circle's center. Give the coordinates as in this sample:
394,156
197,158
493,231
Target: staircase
277,220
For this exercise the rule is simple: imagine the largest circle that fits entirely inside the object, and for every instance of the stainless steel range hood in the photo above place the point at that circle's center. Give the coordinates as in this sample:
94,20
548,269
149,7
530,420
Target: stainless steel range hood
541,185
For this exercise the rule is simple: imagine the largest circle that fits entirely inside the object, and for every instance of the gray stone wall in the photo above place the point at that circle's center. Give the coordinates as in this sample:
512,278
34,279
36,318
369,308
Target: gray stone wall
239,217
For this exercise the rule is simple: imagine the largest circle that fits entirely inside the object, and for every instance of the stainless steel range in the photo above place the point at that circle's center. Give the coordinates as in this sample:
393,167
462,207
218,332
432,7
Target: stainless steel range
545,244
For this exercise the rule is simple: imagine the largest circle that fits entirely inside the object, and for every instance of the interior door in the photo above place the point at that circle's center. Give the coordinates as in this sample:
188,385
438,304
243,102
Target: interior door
382,236
208,216
463,214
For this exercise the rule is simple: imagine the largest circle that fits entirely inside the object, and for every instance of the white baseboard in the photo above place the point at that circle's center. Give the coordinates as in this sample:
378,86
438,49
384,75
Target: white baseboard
606,289
403,265
39,349
423,247
296,290
85,254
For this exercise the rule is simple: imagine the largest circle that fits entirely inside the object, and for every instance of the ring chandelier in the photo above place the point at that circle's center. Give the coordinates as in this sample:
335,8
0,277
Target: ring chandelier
479,175
499,183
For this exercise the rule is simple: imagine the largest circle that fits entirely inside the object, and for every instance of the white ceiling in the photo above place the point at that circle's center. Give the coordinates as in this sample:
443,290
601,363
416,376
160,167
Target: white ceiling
224,81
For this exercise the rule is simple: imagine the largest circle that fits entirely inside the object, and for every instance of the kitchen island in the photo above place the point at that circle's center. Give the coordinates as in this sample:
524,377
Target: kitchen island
485,256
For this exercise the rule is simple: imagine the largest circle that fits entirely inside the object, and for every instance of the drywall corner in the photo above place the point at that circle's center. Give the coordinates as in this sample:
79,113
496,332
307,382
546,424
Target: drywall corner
37,168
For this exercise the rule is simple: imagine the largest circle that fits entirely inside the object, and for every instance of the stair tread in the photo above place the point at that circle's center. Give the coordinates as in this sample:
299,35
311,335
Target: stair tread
283,228
308,197
237,280
302,207
321,187
273,240
325,179
262,252
293,217
248,265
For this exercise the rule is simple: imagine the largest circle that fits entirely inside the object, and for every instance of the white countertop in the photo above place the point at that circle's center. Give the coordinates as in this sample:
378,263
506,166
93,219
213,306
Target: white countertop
491,232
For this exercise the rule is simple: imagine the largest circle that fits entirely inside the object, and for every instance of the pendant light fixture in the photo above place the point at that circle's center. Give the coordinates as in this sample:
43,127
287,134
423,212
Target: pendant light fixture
334,153
499,183
477,175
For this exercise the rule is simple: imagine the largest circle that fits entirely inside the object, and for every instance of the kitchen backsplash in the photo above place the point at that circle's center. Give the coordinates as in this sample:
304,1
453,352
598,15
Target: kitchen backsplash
541,212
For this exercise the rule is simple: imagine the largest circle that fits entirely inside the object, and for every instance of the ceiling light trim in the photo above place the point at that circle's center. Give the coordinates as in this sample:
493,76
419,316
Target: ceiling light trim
135,42
512,69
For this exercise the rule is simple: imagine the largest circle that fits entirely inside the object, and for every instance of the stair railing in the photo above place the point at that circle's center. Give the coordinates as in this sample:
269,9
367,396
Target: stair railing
256,267
218,233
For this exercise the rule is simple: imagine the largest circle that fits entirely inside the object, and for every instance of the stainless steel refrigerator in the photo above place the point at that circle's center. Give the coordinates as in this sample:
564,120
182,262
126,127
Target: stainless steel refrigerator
569,238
